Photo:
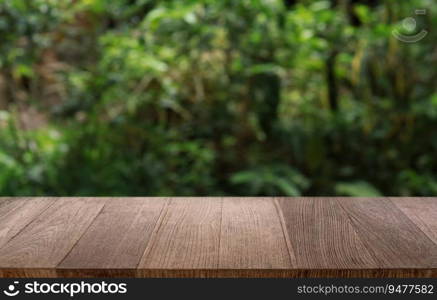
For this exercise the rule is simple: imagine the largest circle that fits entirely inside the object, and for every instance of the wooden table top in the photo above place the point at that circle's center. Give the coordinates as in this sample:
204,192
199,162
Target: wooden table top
218,237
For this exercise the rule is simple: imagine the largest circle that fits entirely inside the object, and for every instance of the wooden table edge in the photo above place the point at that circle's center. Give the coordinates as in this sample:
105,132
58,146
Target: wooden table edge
218,273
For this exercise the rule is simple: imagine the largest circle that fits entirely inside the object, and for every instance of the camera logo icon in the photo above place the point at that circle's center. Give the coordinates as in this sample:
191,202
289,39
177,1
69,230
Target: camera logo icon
408,26
12,290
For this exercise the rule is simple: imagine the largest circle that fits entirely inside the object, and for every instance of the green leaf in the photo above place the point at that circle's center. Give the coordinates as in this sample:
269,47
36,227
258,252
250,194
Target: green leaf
357,189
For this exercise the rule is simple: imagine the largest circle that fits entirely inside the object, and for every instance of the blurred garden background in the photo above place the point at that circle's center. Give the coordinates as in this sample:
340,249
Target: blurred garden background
217,97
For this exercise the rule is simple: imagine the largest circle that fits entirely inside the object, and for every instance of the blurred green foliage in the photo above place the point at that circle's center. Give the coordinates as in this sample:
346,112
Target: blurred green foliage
203,97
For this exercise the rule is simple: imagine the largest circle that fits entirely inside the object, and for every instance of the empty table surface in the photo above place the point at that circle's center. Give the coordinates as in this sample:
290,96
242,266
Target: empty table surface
218,237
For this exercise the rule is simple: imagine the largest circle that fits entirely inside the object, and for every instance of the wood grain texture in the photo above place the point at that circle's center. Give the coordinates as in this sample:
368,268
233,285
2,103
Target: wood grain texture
28,273
390,236
218,237
49,238
187,236
252,236
289,273
118,236
422,211
16,213
322,236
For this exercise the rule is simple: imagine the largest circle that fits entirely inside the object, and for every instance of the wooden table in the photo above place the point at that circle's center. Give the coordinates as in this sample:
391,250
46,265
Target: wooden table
218,237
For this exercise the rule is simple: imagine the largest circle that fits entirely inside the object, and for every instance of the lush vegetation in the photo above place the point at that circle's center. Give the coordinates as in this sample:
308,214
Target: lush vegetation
217,97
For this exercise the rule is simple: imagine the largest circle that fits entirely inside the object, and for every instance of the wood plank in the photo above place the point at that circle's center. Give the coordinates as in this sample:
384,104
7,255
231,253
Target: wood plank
117,238
286,273
216,237
252,236
322,236
49,238
28,273
186,237
16,213
392,238
422,211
